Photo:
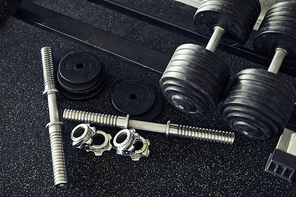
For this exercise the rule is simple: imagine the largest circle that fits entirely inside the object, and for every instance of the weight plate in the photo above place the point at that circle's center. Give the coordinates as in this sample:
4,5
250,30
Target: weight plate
277,30
239,120
88,83
152,113
186,99
82,88
84,96
269,79
248,86
237,18
247,105
200,63
204,56
258,97
196,83
207,58
185,67
194,79
79,67
133,97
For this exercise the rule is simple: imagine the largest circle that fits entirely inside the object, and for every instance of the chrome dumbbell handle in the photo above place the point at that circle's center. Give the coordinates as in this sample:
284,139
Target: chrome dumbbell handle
169,129
54,126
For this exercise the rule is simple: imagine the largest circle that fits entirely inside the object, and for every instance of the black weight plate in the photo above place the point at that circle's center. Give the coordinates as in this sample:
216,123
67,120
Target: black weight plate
237,18
261,101
199,63
79,67
282,6
277,30
76,96
200,59
266,42
204,23
257,91
247,105
186,67
186,99
152,113
273,80
241,122
279,101
231,10
195,81
255,5
76,88
133,97
281,21
248,86
172,88
200,76
82,88
208,56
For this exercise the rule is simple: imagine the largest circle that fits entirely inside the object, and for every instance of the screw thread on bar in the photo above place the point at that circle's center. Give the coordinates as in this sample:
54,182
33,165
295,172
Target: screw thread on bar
212,135
93,118
54,126
48,70
58,159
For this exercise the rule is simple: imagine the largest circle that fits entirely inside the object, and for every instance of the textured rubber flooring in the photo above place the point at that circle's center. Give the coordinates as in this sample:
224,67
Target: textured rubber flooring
175,167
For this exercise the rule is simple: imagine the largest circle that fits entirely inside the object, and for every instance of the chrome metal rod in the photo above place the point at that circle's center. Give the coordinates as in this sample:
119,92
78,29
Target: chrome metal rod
277,60
54,126
169,129
215,38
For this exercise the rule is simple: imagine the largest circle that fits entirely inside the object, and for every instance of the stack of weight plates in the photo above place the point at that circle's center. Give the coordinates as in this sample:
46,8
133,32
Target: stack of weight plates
80,75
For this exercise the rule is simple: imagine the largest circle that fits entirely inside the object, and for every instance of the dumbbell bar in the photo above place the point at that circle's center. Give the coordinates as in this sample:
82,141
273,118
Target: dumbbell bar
169,129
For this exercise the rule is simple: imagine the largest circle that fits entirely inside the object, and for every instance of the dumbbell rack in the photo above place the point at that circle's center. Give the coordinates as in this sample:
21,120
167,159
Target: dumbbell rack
142,56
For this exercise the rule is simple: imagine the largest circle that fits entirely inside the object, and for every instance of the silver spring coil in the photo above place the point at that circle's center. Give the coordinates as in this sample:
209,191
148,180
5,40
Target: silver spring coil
205,134
93,118
58,159
48,70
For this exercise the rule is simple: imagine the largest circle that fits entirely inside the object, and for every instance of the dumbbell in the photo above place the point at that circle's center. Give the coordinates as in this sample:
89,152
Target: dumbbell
260,102
196,77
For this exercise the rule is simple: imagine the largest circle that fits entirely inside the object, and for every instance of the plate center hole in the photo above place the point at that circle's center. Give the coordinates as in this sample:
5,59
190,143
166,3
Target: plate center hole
133,96
79,66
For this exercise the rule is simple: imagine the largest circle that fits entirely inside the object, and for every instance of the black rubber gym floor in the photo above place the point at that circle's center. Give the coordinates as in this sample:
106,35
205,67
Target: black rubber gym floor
175,167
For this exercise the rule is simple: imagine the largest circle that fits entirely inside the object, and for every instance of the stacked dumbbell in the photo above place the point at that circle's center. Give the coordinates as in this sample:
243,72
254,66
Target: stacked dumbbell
196,77
260,102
